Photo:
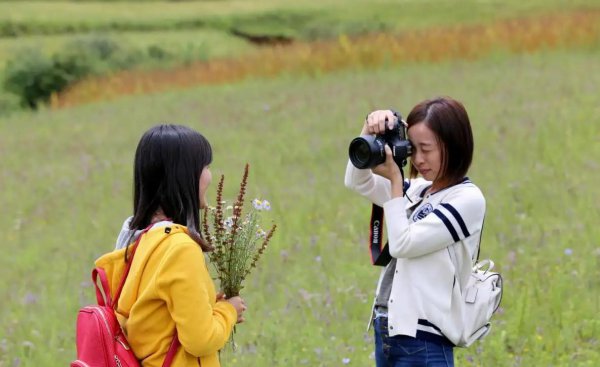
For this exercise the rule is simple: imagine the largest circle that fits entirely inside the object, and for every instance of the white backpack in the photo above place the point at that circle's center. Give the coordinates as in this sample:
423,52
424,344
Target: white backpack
481,296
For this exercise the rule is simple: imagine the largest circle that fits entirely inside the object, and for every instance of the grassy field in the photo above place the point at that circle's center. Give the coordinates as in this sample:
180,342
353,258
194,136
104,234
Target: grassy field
66,187
197,45
164,34
571,30
25,24
69,17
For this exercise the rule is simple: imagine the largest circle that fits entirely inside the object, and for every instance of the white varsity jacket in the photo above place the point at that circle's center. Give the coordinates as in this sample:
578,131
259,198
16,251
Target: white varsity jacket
425,298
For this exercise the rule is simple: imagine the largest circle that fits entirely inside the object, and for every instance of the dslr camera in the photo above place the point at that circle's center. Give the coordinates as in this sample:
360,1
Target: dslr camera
367,151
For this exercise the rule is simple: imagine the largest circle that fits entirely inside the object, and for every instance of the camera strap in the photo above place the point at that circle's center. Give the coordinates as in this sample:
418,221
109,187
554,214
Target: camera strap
380,254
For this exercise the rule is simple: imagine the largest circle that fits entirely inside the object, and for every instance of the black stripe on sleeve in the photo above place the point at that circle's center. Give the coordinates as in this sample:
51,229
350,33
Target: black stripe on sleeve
458,218
448,225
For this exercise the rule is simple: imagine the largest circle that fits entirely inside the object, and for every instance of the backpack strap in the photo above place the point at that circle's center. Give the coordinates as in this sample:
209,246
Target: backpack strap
474,262
128,266
172,350
480,237
102,296
175,342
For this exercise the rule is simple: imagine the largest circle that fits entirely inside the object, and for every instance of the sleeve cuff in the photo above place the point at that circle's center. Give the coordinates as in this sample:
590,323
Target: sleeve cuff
227,308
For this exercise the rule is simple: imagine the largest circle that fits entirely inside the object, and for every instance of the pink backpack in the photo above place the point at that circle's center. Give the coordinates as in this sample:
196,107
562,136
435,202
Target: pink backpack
100,339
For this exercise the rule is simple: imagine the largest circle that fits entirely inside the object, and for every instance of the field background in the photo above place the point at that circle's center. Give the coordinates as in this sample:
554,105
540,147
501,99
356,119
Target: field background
65,177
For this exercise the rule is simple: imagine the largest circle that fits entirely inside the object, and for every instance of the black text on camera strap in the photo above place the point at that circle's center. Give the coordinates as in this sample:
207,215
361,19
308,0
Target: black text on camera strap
380,254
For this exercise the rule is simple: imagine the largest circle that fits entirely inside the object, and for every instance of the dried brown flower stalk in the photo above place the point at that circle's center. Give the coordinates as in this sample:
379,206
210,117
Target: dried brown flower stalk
235,239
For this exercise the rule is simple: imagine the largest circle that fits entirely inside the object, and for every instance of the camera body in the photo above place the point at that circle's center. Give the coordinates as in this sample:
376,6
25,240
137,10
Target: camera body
367,151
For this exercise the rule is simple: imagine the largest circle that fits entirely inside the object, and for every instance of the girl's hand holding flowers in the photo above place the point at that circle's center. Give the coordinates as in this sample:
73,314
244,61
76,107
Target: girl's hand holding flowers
240,306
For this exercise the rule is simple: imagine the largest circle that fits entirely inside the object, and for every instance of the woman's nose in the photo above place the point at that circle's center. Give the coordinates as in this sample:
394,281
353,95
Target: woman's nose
416,158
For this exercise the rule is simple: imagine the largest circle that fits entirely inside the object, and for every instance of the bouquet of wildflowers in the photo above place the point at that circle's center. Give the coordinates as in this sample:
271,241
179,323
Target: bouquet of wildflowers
237,238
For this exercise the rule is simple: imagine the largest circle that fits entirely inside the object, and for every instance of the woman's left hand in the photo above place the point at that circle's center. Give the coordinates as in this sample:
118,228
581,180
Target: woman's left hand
388,169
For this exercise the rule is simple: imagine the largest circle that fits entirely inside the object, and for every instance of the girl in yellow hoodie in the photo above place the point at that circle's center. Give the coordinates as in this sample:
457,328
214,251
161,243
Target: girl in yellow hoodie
169,289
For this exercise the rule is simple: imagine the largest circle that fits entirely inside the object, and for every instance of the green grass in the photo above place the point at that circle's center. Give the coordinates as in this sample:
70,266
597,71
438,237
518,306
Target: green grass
210,22
66,187
199,30
194,44
303,19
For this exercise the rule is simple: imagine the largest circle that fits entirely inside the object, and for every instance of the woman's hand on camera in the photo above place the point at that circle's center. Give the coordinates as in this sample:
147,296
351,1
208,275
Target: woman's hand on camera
378,121
240,306
390,170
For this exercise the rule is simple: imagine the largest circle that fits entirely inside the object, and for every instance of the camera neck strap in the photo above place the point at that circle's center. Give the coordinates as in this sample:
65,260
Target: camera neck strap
380,254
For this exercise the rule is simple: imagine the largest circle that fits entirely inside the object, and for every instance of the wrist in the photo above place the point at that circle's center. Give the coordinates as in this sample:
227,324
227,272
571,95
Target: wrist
397,186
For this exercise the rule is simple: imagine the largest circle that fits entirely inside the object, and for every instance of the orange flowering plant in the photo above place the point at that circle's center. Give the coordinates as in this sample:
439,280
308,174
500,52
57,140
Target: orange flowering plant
237,238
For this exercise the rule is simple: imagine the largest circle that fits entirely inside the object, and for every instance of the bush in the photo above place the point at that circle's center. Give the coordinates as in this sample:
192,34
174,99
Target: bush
155,52
34,77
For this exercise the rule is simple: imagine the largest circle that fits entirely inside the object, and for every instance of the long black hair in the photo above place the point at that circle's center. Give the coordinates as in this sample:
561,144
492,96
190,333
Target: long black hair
168,163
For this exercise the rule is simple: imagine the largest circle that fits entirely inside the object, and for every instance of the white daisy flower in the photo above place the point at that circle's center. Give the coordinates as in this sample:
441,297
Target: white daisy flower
257,204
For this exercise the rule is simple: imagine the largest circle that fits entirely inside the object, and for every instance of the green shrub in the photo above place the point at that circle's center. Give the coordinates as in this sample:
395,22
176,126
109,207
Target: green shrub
34,77
156,52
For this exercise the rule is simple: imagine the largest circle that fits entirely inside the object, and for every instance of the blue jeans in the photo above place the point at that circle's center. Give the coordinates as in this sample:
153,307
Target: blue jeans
406,351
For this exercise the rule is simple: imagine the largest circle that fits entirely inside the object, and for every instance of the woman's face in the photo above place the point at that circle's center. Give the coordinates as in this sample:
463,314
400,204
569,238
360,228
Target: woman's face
426,151
205,179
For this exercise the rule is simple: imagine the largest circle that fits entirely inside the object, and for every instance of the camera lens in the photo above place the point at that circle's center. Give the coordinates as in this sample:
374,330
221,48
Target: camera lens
361,152
365,152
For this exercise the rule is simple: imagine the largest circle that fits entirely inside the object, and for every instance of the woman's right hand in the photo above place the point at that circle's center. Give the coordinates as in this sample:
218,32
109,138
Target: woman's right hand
376,121
240,306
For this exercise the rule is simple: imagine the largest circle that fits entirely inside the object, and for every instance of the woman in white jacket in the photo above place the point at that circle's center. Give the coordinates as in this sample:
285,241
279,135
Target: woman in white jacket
417,310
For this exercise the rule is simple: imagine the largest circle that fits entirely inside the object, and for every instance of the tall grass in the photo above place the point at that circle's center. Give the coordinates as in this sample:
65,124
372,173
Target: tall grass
66,187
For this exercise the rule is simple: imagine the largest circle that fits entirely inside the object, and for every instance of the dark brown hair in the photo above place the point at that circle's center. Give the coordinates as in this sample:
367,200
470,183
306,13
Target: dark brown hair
168,163
449,121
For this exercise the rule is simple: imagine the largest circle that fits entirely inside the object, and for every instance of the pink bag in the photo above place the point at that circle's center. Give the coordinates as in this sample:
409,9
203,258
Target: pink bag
100,339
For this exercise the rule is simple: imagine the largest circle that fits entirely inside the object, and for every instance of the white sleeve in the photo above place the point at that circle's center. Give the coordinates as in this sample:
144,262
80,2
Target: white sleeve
458,216
375,188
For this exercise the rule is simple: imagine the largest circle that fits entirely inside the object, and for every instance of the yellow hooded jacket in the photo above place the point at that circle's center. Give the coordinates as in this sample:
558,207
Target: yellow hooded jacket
169,287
